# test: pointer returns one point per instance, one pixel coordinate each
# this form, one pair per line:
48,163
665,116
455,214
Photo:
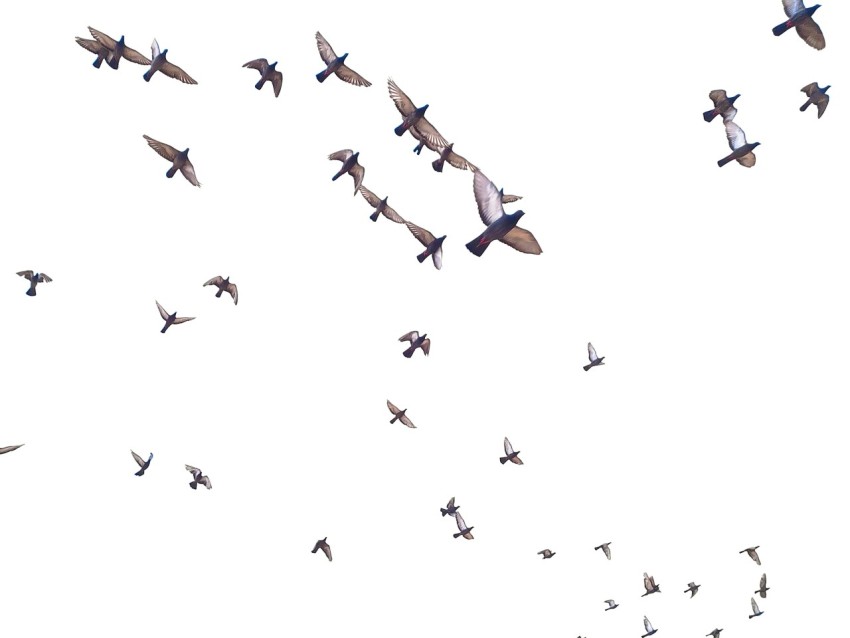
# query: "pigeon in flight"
800,17
224,285
649,584
756,610
414,117
500,226
817,96
93,46
416,341
648,626
751,552
722,105
512,456
179,160
741,150
34,278
268,73
142,463
399,415
605,547
198,478
336,64
381,206
450,509
692,587
547,553
170,318
350,166
715,633
762,590
465,531
594,360
433,245
165,67
118,50
448,155
611,605
323,545
10,448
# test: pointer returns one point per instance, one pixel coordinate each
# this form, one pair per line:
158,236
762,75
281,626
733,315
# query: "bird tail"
113,61
438,165
337,176
259,84
171,172
806,105
394,419
444,512
724,161
503,460
322,75
477,246
96,64
374,216
164,328
779,29
400,129
586,368
708,116
409,352
147,76
218,294
422,256
140,473
193,485
459,534
31,291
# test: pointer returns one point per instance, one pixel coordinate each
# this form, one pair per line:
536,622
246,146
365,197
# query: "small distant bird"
268,73
611,605
224,285
722,104
817,96
165,67
416,341
465,531
170,318
198,478
500,226
512,456
715,633
648,626
142,463
336,65
594,360
433,245
323,545
800,17
10,448
751,552
350,166
34,278
547,553
414,117
179,160
95,47
448,155
399,415
606,549
381,206
741,150
762,590
450,508
649,584
118,50
692,588
756,610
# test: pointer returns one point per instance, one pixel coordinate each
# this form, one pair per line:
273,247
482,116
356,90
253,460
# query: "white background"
717,296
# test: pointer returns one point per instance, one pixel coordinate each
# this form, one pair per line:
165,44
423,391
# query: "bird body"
594,360
142,463
170,319
510,455
399,415
323,545
336,65
606,549
268,73
416,341
817,96
198,478
722,104
500,226
34,278
224,285
350,165
161,64
741,149
800,17
433,245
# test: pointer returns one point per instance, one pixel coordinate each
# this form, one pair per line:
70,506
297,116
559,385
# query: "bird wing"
369,196
755,605
392,407
451,503
647,624
810,88
357,172
183,319
487,198
277,82
508,448
717,96
188,171
205,481
763,581
195,471
342,155
233,291
424,237
347,74
591,352
521,240
104,39
392,215
809,30
215,281
428,132
792,7
609,602
327,550
10,448
26,274
748,160
735,135
652,581
325,49
647,583
134,56
410,336
43,278
460,162
461,524
90,45
437,256
138,458
154,49
403,103
607,551
403,418
174,71
166,151
426,346
507,199
260,64
822,104
162,312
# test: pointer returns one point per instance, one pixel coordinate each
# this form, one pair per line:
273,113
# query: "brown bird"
605,549
416,341
350,166
762,590
414,117
380,206
224,285
165,67
95,47
34,278
741,150
649,585
465,531
433,245
448,155
170,319
817,96
722,105
179,160
118,50
323,545
267,74
511,456
800,17
399,415
10,448
751,552
336,65
547,553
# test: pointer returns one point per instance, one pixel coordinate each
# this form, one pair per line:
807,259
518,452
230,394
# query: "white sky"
717,296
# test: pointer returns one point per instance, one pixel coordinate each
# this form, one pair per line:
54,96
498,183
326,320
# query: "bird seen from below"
118,50
715,633
692,587
752,553
500,226
10,448
465,531
594,359
399,415
416,341
198,478
756,610
546,553
722,104
165,67
34,278
142,463
414,117
606,549
510,455
648,627
450,508
323,545
350,165
649,585
179,160
93,46
381,207
336,65
762,590
741,149
224,285
817,96
800,17
433,245
170,319
268,73
611,605
448,155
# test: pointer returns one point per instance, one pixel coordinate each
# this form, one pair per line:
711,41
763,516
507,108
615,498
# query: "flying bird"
649,584
179,160
336,65
756,610
165,67
594,360
323,545
692,587
34,278
606,549
142,463
800,17
448,155
611,605
224,285
648,626
465,531
118,50
512,456
450,508
350,166
170,318
380,206
93,46
399,415
722,105
817,96
10,448
715,633
433,245
198,478
741,149
268,73
414,117
547,553
762,590
751,552
500,226
416,341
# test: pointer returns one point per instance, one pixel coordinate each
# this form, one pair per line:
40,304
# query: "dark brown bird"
399,415
741,149
198,478
606,549
649,585
224,285
414,117
450,509
95,47
267,74
752,553
118,50
380,206
170,319
465,531
722,104
762,590
165,67
546,553
800,17
350,165
692,587
336,65
511,456
323,545
34,278
817,96
179,160
10,448
416,341
433,245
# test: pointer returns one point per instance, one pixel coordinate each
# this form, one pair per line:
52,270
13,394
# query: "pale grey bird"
648,626
546,553
142,463
715,633
762,590
198,478
10,448
323,545
500,226
465,531
752,553
224,285
611,605
380,206
594,360
93,46
165,67
649,584
510,455
416,341
817,96
692,587
433,245
606,549
118,50
414,117
350,165
268,73
34,278
756,610
399,415
179,160
336,65
450,509
741,149
170,319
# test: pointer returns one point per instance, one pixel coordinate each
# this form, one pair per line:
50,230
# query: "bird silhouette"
611,605
741,149
692,587
268,73
511,456
450,508
142,463
722,104
381,207
433,245
323,545
546,553
752,553
500,226
34,278
465,531
95,47
756,610
10,448
762,590
399,415
165,67
606,549
800,17
648,626
817,96
118,50
350,165
336,65
198,478
414,117
170,319
224,285
594,360
179,160
416,341
714,632
649,585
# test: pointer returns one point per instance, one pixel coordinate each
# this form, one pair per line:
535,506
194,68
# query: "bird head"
186,152
342,57
754,144
226,280
733,98
518,214
272,65
357,154
384,201
163,52
121,41
826,88
423,108
440,240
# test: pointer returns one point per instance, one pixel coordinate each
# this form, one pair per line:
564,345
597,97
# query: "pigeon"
380,206
170,318
800,17
817,96
649,584
465,531
433,245
118,50
756,610
34,278
512,456
323,545
450,509
692,587
500,225
399,415
10,448
414,117
714,633
547,553
741,150
722,104
605,549
648,626
164,66
448,155
751,552
268,73
762,590
611,605
336,65
224,285
142,463
95,47
416,341
198,478
350,166
179,160
594,360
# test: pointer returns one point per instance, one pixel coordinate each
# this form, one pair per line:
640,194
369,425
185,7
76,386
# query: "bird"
416,341
648,626
762,590
10,448
649,584
611,605
170,318
323,545
165,67
594,360
268,73
142,463
381,207
692,588
118,50
722,104
433,245
752,553
414,117
800,17
500,226
714,633
336,65
95,47
450,509
547,553
817,96
465,531
606,549
511,456
34,278
756,610
741,150
224,285
179,160
399,415
448,155
350,166
198,478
